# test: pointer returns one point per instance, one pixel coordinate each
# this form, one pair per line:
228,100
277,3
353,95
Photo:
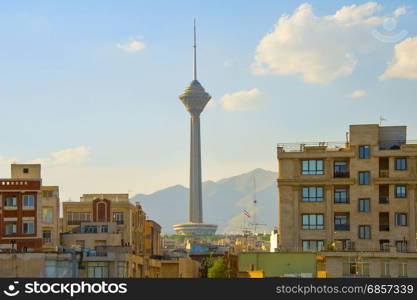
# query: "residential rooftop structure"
114,211
20,209
357,195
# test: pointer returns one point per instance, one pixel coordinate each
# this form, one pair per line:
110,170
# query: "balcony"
383,227
383,173
384,200
341,227
341,174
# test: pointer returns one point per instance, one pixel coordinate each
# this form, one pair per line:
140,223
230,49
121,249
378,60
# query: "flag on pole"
246,213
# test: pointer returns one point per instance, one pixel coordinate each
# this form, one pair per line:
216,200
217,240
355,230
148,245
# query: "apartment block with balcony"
20,209
110,209
50,217
357,195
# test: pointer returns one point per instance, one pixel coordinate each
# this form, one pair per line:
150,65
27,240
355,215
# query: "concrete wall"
278,264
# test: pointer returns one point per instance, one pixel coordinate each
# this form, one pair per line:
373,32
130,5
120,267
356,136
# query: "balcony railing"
342,227
383,199
395,144
341,174
383,173
300,147
383,227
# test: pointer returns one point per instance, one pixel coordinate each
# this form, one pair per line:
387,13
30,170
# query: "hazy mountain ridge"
223,202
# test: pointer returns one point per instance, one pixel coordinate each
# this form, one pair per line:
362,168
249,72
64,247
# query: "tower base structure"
195,229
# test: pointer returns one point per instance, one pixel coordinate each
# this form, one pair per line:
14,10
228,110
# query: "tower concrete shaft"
195,99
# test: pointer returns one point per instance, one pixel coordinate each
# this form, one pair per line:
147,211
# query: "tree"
218,269
206,264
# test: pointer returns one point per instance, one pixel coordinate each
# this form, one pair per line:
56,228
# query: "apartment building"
152,238
20,209
50,217
357,195
129,219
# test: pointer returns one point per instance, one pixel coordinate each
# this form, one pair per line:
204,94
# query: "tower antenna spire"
195,54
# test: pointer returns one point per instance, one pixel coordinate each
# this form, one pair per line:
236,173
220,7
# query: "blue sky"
103,119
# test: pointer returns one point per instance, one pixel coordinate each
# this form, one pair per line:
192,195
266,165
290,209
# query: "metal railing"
395,144
383,173
300,147
383,227
341,174
383,199
342,227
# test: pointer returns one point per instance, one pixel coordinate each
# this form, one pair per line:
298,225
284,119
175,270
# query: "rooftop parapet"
313,147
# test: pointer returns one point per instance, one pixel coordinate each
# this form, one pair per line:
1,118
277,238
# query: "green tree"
218,269
206,264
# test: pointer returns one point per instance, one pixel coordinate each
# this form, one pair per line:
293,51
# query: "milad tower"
195,99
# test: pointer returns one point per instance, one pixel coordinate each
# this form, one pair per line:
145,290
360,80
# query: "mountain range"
223,203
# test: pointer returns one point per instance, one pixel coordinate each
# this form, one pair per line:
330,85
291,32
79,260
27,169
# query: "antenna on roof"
381,119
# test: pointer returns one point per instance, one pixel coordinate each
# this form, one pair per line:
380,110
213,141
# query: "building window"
10,201
364,152
400,164
403,269
401,246
47,215
312,194
10,228
385,269
47,236
122,269
98,270
401,219
118,218
365,232
25,170
28,201
313,245
313,222
28,227
384,245
355,268
105,228
364,177
75,218
401,191
312,167
48,194
340,169
90,229
364,205
341,222
341,195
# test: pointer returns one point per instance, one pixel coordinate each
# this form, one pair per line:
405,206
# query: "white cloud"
404,64
400,11
319,48
132,46
357,94
70,156
244,100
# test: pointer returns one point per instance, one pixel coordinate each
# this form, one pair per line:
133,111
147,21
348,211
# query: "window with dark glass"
313,221
312,194
28,201
364,231
364,152
400,191
341,222
401,246
400,164
312,167
10,201
118,218
384,245
341,195
364,205
364,177
313,245
401,219
340,169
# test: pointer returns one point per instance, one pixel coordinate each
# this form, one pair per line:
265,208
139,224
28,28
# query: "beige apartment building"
354,196
50,217
152,238
128,219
